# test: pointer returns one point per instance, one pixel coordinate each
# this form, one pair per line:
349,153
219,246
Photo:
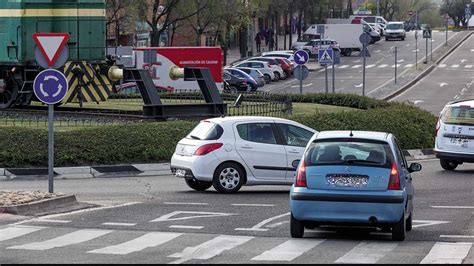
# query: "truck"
375,30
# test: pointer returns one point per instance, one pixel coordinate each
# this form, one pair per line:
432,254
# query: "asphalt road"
160,220
380,67
453,79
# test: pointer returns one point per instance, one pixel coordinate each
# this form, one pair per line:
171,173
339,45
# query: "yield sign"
51,44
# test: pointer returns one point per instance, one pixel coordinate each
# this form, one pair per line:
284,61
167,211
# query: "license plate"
180,173
461,142
356,181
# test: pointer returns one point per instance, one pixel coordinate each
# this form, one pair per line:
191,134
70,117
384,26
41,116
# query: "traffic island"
38,203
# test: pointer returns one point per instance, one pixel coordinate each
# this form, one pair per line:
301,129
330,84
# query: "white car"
285,54
454,143
274,64
264,67
228,152
395,30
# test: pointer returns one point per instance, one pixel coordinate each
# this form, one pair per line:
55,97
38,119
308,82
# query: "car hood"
395,31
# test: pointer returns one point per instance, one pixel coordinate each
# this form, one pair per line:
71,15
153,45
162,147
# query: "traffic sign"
301,57
50,86
60,61
301,72
365,38
320,30
427,34
468,12
325,56
51,45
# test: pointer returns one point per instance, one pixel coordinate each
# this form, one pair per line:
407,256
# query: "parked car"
234,84
229,152
454,143
395,30
353,178
285,64
285,54
264,67
241,74
255,74
274,64
313,46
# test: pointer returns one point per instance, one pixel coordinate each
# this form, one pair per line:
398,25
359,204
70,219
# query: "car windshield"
369,19
459,115
349,152
395,26
206,131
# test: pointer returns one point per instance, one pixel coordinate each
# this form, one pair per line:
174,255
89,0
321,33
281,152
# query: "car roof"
233,119
372,135
253,61
395,22
462,102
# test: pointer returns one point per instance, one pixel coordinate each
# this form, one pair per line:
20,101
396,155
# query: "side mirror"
295,163
414,167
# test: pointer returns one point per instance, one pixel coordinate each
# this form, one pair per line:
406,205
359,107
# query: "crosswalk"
176,248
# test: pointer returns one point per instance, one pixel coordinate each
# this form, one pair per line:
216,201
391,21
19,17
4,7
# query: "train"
88,66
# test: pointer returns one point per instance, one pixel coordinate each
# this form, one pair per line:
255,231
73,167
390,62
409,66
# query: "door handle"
294,152
247,147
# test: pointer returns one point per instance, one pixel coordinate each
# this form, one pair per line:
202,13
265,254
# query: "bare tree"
116,14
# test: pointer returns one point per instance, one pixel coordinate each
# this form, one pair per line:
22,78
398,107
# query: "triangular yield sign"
51,45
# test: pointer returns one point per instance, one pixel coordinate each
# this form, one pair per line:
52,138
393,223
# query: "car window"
458,115
349,152
257,132
295,136
400,155
257,65
246,70
206,131
238,74
227,76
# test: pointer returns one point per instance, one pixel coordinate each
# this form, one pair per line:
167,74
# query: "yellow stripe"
52,12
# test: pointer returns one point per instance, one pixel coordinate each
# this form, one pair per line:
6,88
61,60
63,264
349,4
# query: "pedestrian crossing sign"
325,56
427,34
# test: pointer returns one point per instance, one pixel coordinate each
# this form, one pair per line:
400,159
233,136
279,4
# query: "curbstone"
41,206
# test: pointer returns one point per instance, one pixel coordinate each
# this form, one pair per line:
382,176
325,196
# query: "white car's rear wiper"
194,137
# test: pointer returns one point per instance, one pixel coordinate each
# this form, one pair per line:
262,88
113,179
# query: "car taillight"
301,175
205,149
394,182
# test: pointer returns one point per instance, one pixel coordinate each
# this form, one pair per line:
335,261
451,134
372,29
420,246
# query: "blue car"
353,178
241,74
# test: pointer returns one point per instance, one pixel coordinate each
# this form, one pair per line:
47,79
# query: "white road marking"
454,66
322,70
456,97
421,223
343,66
210,248
398,65
277,224
443,84
417,102
17,231
472,50
464,60
120,224
186,227
442,65
468,66
358,86
253,205
258,227
304,86
409,65
383,66
455,236
452,207
356,61
288,250
146,241
185,203
356,66
401,61
75,237
445,253
167,217
378,51
370,66
418,50
367,252
52,221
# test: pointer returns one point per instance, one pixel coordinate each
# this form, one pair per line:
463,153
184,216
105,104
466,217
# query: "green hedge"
156,142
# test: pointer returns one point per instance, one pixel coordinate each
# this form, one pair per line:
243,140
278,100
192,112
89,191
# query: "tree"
455,10
116,15
204,19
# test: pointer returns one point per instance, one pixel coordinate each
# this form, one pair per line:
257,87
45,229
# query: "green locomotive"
87,67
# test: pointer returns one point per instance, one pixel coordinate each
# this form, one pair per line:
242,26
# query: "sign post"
50,86
301,58
365,39
446,17
468,14
326,57
416,50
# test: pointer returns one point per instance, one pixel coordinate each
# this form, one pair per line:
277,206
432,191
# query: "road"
160,220
380,67
453,79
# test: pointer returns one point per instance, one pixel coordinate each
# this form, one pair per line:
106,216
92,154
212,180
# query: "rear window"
349,152
206,131
458,115
369,19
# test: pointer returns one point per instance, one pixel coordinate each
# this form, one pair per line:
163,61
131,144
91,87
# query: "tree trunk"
300,22
277,29
286,26
290,41
155,37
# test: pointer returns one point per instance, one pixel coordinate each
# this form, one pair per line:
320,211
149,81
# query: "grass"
311,108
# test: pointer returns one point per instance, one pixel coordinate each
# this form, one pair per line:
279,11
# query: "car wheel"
296,228
233,89
409,223
228,178
403,38
399,229
386,39
277,76
448,165
198,185
267,78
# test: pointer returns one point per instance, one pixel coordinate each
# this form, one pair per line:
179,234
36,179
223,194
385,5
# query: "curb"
426,71
42,206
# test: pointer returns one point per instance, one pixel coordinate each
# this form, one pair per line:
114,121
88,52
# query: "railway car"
87,67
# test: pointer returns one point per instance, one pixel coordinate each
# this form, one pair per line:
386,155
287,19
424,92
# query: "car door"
406,174
294,139
257,145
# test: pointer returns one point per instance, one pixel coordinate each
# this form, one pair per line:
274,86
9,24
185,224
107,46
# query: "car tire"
386,39
399,229
228,178
296,228
409,223
403,38
277,76
233,89
448,165
267,78
198,185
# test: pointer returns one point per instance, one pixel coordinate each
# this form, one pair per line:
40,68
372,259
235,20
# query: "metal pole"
446,32
363,72
50,147
326,71
426,56
396,61
431,48
416,50
333,77
301,79
378,7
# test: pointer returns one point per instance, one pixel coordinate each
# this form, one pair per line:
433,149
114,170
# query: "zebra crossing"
176,247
